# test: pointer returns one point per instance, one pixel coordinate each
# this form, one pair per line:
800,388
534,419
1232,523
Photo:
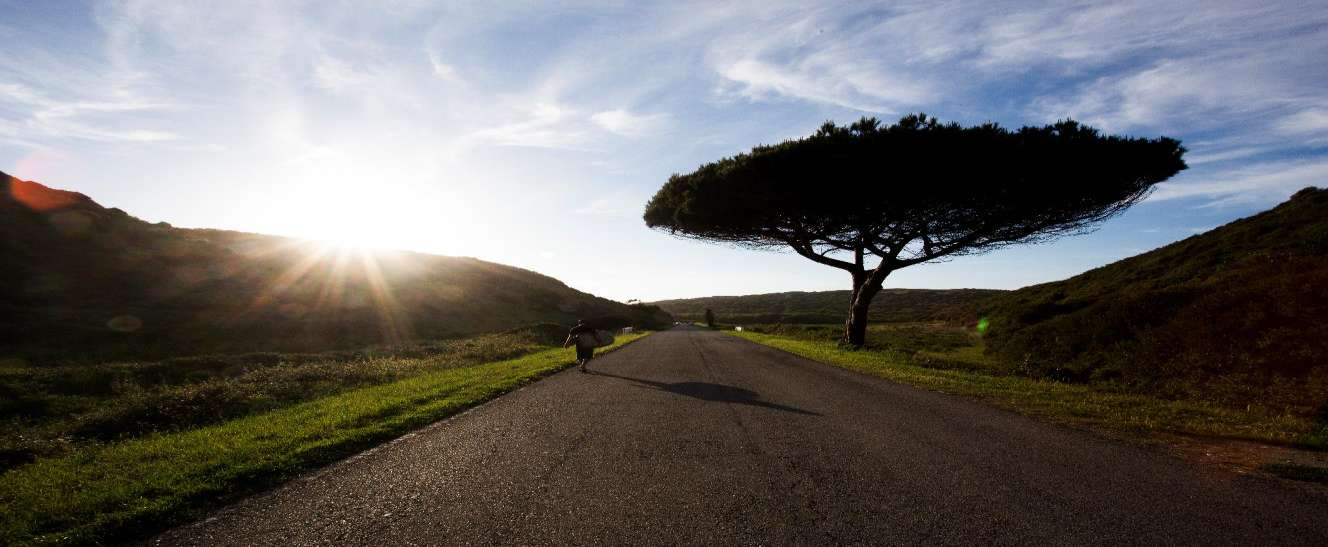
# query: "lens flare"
40,198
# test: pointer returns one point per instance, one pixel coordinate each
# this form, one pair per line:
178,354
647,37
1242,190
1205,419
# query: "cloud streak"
1261,182
630,124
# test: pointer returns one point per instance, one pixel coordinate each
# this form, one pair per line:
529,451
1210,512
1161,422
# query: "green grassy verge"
1074,403
120,490
48,411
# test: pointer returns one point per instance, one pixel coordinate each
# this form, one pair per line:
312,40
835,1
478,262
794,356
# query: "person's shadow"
709,392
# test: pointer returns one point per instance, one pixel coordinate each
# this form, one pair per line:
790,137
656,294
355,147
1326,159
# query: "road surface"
691,436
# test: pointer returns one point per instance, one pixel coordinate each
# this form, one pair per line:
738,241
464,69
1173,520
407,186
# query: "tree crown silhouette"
915,191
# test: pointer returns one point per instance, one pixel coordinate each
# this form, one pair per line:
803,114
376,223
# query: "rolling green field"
1234,313
950,359
95,491
891,305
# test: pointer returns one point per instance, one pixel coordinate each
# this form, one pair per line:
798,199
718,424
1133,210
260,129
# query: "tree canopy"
914,191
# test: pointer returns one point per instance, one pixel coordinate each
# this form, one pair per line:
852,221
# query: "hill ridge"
1244,300
38,196
86,282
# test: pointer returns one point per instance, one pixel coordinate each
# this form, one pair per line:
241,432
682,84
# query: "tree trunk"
855,328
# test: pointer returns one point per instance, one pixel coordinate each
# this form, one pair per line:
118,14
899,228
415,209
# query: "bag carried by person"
597,339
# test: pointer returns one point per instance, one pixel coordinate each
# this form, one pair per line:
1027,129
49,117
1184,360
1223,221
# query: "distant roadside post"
912,192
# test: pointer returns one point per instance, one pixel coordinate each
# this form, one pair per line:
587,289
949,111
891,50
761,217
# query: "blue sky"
532,133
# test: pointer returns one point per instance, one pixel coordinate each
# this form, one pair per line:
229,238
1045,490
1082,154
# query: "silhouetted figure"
584,337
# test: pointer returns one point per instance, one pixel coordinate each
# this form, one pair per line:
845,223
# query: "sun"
356,201
364,235
355,220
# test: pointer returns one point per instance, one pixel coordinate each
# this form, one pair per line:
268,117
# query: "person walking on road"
584,337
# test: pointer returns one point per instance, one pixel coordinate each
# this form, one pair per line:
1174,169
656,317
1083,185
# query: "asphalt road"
690,436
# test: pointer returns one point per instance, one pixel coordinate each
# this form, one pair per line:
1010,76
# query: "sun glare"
350,236
353,216
346,272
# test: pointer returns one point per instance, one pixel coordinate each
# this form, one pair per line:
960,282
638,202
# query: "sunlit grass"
1075,403
48,411
120,490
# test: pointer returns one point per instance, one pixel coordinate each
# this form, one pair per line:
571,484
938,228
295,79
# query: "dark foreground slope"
84,282
1230,313
831,306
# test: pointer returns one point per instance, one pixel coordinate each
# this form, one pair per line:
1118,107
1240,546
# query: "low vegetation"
144,478
52,410
947,359
828,307
1234,315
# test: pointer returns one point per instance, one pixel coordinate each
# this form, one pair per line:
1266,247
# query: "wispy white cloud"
836,82
541,125
48,118
1200,93
620,203
440,68
823,55
1135,66
1262,182
335,74
54,100
630,124
1310,124
1243,70
1217,154
1081,36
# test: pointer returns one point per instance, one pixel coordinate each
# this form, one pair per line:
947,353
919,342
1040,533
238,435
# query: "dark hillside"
83,282
1231,310
891,305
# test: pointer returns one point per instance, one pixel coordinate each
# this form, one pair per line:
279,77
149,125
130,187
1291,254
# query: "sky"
533,133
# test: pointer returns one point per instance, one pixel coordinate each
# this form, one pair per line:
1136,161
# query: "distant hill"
1243,304
890,305
84,282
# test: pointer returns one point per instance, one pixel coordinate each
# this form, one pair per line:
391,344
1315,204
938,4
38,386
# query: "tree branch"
806,251
878,251
931,252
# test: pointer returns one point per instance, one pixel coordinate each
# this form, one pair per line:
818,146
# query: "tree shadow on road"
710,392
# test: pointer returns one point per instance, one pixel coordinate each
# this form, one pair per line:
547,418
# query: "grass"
963,371
1298,472
1234,314
121,490
47,411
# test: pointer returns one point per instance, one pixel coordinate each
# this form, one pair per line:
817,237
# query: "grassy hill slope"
891,305
1229,312
83,282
